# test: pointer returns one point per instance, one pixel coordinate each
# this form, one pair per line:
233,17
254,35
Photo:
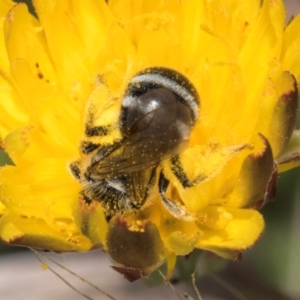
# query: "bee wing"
129,157
135,154
139,185
150,138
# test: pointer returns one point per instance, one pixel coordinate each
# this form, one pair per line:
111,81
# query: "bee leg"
88,147
85,197
91,131
179,172
75,170
178,211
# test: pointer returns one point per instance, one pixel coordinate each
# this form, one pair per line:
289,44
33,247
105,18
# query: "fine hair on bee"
159,109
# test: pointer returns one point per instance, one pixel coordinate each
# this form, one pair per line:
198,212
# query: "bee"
159,109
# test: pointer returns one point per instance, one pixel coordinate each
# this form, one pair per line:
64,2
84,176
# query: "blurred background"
270,270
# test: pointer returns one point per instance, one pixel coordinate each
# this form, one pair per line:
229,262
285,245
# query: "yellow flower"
79,56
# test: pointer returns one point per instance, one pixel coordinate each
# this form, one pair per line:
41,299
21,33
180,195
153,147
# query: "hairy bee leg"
88,147
179,172
91,131
85,197
177,211
75,170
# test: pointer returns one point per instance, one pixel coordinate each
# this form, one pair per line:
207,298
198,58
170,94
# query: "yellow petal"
171,263
206,164
13,112
231,240
135,18
5,6
290,158
278,109
284,116
180,237
16,143
23,192
31,67
254,178
91,220
74,39
57,130
3,209
21,231
291,47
